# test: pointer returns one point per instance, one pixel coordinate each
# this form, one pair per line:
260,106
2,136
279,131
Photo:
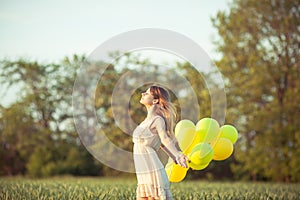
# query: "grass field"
122,188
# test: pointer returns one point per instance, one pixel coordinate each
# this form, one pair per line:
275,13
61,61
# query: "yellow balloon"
183,124
208,129
201,156
175,172
229,132
195,141
222,149
185,138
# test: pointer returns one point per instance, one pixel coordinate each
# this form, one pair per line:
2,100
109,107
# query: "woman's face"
147,98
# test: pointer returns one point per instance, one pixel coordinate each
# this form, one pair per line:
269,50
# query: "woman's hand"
182,160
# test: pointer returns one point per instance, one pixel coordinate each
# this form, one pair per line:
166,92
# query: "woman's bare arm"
170,144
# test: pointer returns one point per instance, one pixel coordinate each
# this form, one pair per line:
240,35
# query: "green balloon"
229,132
200,156
208,129
198,167
182,125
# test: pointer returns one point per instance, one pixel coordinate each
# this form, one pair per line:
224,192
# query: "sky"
49,30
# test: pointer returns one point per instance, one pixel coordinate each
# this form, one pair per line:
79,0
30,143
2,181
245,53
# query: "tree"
65,158
41,120
16,129
259,43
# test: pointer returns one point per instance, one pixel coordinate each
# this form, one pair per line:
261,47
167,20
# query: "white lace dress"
151,175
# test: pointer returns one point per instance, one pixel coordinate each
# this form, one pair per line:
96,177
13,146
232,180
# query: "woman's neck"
151,111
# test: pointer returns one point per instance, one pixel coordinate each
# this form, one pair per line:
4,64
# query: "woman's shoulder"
158,117
158,120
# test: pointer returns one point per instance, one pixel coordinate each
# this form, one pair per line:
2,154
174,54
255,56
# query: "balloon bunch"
201,143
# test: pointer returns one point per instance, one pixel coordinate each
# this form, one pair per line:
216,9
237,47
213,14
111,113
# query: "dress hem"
157,192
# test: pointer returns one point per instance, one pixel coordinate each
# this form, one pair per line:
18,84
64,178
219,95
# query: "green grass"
122,188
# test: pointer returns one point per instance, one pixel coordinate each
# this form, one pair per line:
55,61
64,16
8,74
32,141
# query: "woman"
155,132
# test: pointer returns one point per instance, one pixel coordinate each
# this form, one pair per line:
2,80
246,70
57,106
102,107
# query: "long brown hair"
165,108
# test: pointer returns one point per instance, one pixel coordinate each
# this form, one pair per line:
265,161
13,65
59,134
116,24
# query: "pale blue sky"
49,30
